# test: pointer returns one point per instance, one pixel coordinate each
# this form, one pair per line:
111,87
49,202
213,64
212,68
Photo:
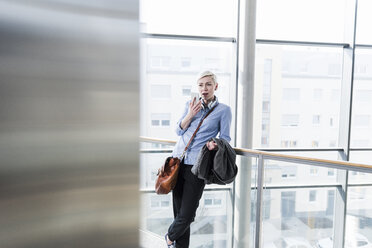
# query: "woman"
189,188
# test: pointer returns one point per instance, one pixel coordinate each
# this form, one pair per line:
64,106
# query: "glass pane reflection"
212,227
297,96
297,216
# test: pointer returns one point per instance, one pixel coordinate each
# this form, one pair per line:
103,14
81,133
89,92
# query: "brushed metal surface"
69,82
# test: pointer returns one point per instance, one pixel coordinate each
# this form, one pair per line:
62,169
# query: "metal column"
245,92
345,121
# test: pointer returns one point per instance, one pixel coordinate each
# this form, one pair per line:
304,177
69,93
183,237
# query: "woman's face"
206,87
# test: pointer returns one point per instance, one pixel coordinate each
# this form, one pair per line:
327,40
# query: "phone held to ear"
194,95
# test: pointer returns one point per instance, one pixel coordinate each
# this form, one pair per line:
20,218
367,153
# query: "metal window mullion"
345,122
301,43
188,37
260,182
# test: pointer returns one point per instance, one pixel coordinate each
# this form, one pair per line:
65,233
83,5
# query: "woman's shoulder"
224,107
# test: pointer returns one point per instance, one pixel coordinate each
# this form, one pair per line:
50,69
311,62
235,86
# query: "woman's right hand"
194,107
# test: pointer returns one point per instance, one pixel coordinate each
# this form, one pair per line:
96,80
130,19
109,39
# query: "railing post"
260,183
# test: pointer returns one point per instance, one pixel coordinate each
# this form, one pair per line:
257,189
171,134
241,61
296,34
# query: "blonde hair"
207,74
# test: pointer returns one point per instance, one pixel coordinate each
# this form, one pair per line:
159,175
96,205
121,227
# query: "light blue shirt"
218,121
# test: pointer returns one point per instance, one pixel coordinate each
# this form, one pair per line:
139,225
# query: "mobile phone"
196,95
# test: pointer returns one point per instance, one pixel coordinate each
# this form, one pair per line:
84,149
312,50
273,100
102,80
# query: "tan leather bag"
167,174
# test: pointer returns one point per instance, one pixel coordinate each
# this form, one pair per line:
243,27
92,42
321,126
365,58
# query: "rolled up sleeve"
179,130
226,124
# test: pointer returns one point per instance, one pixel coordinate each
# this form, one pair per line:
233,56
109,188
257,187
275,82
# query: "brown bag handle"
197,129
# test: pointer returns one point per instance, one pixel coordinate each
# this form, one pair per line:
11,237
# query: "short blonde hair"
207,74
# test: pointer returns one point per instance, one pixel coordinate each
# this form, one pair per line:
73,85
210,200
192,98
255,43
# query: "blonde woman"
189,188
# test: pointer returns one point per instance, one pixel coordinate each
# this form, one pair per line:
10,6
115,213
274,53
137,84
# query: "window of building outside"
264,140
264,127
186,90
290,120
315,143
331,172
314,171
160,119
316,119
289,171
158,202
288,143
312,195
185,62
331,121
265,106
212,200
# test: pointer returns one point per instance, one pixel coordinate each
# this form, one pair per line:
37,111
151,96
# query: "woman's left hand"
211,145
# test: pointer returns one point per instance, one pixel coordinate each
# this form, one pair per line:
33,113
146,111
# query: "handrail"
284,157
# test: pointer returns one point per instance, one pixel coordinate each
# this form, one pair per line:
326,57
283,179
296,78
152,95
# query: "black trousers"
186,195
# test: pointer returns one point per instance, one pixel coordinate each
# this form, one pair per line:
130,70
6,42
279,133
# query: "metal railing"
261,156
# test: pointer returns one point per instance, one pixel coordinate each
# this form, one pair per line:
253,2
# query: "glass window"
189,17
364,20
299,217
181,82
305,20
294,97
361,127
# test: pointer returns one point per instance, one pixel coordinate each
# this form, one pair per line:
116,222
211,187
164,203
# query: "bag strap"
196,130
